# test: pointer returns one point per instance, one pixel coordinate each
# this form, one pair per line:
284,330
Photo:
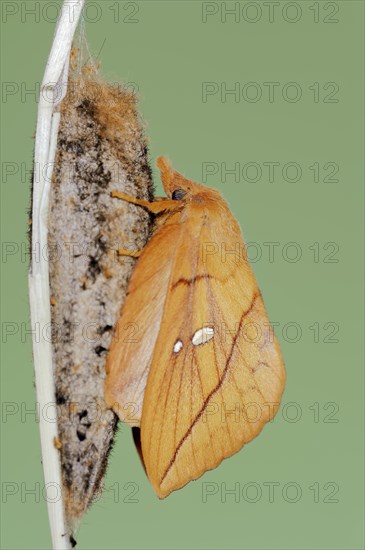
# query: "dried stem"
53,89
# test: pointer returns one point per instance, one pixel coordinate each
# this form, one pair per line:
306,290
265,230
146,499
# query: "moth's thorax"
209,201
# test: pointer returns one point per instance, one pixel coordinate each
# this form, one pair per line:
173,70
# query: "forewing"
204,402
136,331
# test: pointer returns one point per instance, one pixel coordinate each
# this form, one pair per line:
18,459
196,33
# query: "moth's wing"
204,402
136,331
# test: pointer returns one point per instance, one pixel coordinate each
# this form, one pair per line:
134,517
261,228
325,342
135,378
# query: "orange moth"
193,359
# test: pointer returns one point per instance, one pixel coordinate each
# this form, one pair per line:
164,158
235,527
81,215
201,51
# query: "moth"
201,370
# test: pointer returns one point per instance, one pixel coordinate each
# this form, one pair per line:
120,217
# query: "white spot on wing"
202,336
178,346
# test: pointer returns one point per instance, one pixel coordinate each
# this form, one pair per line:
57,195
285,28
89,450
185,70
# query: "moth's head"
179,188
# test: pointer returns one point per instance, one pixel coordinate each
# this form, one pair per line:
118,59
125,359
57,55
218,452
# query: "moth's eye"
178,194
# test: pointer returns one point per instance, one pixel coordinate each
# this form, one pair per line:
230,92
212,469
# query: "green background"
169,51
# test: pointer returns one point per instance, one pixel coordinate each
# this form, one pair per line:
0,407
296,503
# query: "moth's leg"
130,199
155,207
131,253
